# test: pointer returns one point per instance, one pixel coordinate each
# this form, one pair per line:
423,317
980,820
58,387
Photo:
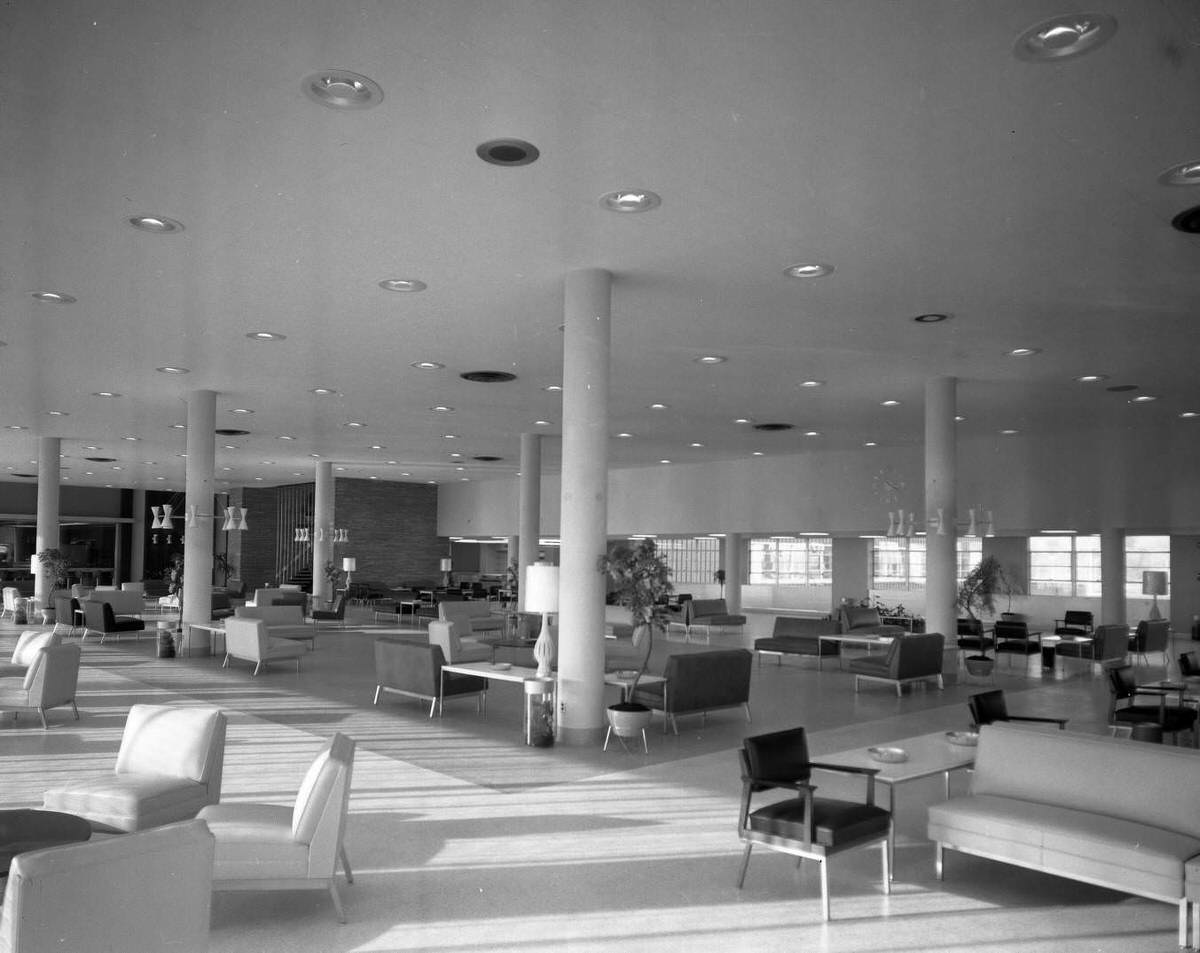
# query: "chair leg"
433,704
75,709
745,863
378,689
607,736
346,864
887,864
257,668
45,725
823,863
746,705
337,902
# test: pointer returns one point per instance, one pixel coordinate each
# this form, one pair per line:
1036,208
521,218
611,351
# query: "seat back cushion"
409,666
700,680
445,635
859,617
163,739
30,642
272,614
918,655
778,755
324,790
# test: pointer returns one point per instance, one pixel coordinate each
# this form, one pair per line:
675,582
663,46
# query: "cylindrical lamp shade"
349,564
447,564
1154,583
541,587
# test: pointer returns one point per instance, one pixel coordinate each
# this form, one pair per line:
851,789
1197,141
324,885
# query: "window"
900,563
1065,566
791,560
1146,554
691,560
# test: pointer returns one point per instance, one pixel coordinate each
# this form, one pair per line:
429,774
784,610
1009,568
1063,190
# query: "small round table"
25,829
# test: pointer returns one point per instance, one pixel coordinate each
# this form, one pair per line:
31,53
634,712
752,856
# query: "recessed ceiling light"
284,436
1092,378
507,152
402,284
711,359
341,89
1009,433
241,410
630,200
695,443
266,336
812,433
889,403
53,297
105,393
658,406
156,224
323,391
455,455
541,423
934,317
812,383
57,413
664,461
742,420
315,456
16,427
553,388
757,453
172,369
808,269
354,423
179,426
870,443
624,435
1142,399
1024,351
376,446
959,418
228,446
442,409
427,365
131,438
449,436
160,478
1059,37
1186,173
460,469
1188,414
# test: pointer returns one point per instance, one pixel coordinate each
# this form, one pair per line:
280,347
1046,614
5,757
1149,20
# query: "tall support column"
323,521
529,524
137,537
198,540
1112,576
47,532
733,572
941,489
584,525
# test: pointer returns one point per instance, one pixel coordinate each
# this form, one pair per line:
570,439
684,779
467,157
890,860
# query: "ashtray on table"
626,673
502,666
888,755
968,739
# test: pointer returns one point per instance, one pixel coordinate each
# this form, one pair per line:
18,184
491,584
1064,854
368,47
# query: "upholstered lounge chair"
336,614
808,827
413,669
990,707
865,620
1108,643
146,891
250,640
50,681
26,649
168,767
1126,709
297,847
910,658
68,613
99,618
455,649
1152,635
697,683
701,616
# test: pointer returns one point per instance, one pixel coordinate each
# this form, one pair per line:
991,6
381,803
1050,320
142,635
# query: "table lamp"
447,564
541,595
349,564
1154,583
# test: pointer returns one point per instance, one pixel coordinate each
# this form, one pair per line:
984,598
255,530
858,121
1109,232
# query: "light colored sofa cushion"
249,640
471,617
26,650
123,602
456,649
145,891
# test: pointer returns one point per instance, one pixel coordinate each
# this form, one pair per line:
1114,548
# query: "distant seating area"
865,620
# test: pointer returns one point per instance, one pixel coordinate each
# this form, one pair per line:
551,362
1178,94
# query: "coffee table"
870,641
503,672
25,829
928,755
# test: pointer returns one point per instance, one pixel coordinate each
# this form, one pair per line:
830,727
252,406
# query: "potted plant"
639,579
719,579
333,576
54,565
977,594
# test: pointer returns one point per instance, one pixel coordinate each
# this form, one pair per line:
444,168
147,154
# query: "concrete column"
733,572
47,532
530,511
324,518
137,538
584,527
1112,577
941,488
199,491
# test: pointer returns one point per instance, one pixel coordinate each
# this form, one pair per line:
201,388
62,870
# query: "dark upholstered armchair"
989,707
1108,643
708,614
910,658
1014,638
1074,622
699,682
1126,709
1152,635
805,826
865,620
99,617
415,669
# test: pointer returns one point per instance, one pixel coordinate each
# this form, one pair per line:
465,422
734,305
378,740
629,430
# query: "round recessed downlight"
341,89
266,336
156,224
810,269
889,403
172,369
57,413
934,317
427,365
773,427
105,393
1142,399
1189,414
1186,173
1188,221
402,285
1072,34
1024,351
488,377
442,409
507,152
630,200
53,297
711,359
1092,378
323,391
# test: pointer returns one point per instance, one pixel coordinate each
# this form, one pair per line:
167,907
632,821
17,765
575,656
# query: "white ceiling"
900,141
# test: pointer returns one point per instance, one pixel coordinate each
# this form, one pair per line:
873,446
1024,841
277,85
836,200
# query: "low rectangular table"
868,640
928,755
501,672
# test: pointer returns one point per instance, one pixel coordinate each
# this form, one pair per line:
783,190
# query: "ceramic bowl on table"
888,755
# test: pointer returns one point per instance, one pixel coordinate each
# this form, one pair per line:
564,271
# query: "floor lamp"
447,565
1154,583
349,564
541,595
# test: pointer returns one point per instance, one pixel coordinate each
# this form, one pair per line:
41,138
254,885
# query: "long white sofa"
1109,811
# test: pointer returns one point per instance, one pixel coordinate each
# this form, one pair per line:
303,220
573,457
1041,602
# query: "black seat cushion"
837,823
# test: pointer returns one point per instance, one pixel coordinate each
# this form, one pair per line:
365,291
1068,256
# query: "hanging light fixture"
234,518
321,534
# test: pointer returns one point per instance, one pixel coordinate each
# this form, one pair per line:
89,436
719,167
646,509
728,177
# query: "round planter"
628,719
979,665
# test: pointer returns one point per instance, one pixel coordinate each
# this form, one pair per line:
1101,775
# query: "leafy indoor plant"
977,594
639,579
54,564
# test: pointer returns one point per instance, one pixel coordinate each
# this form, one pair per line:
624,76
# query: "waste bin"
539,712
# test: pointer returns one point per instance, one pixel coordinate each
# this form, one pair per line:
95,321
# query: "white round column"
941,488
529,522
198,540
324,502
584,521
47,532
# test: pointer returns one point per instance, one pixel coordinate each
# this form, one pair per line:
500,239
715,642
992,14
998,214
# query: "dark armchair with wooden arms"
989,707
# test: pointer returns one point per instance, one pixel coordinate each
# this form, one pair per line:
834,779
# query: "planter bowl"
628,719
979,665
